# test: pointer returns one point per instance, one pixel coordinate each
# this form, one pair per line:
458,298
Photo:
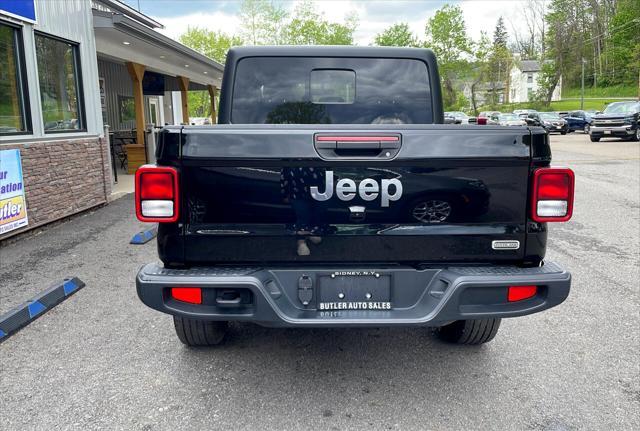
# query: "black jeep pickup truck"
331,195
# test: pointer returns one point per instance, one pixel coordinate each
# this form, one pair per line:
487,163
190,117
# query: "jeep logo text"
368,190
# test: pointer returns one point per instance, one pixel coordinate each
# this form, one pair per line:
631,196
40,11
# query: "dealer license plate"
354,290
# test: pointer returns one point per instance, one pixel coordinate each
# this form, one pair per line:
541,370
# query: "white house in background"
524,81
484,92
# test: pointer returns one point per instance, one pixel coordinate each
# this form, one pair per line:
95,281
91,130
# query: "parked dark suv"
619,119
551,122
579,120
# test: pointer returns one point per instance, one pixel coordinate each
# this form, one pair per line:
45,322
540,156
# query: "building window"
59,74
530,78
14,107
530,94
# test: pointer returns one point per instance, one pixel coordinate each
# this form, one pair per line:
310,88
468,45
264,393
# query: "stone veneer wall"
62,177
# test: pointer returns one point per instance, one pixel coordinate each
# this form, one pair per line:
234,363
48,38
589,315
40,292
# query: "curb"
144,236
29,311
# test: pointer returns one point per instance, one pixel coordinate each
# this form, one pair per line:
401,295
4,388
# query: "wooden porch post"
183,83
212,94
136,71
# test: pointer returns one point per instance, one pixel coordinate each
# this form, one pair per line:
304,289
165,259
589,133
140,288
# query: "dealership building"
74,75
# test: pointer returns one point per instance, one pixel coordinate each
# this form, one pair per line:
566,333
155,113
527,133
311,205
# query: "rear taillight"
552,194
519,293
157,194
192,295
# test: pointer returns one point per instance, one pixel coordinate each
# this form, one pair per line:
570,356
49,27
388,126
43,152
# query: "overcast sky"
375,16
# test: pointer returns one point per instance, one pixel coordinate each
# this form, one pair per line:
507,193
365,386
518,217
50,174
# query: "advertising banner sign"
13,206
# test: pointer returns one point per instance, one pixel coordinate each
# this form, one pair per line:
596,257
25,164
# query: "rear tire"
469,332
199,333
594,139
586,129
636,136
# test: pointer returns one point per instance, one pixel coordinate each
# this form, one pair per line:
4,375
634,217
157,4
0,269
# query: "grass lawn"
562,105
571,105
613,91
595,99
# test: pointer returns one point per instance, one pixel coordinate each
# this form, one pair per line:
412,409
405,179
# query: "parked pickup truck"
331,195
619,120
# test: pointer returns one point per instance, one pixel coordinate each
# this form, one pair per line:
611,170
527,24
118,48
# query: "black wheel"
469,332
594,138
197,333
586,129
636,136
563,133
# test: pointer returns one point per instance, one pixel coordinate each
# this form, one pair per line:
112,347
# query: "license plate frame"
354,286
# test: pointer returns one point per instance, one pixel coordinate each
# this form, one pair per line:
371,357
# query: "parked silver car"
461,117
524,111
511,120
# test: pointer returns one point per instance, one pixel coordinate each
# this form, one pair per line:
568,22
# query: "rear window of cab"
327,90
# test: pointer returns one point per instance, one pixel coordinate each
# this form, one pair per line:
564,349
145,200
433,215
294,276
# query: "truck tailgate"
392,193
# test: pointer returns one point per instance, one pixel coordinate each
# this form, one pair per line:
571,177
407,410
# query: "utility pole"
582,89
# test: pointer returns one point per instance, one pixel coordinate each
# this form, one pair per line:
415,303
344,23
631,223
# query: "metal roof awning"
122,39
125,9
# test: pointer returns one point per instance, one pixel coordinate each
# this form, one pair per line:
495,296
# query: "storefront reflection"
309,224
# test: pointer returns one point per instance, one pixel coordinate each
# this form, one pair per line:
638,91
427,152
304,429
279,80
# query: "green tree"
602,32
500,36
562,47
265,22
480,67
199,104
215,45
262,22
625,42
310,27
547,81
500,62
397,35
446,35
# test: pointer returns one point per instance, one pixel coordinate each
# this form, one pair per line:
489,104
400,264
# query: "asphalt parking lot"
102,360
